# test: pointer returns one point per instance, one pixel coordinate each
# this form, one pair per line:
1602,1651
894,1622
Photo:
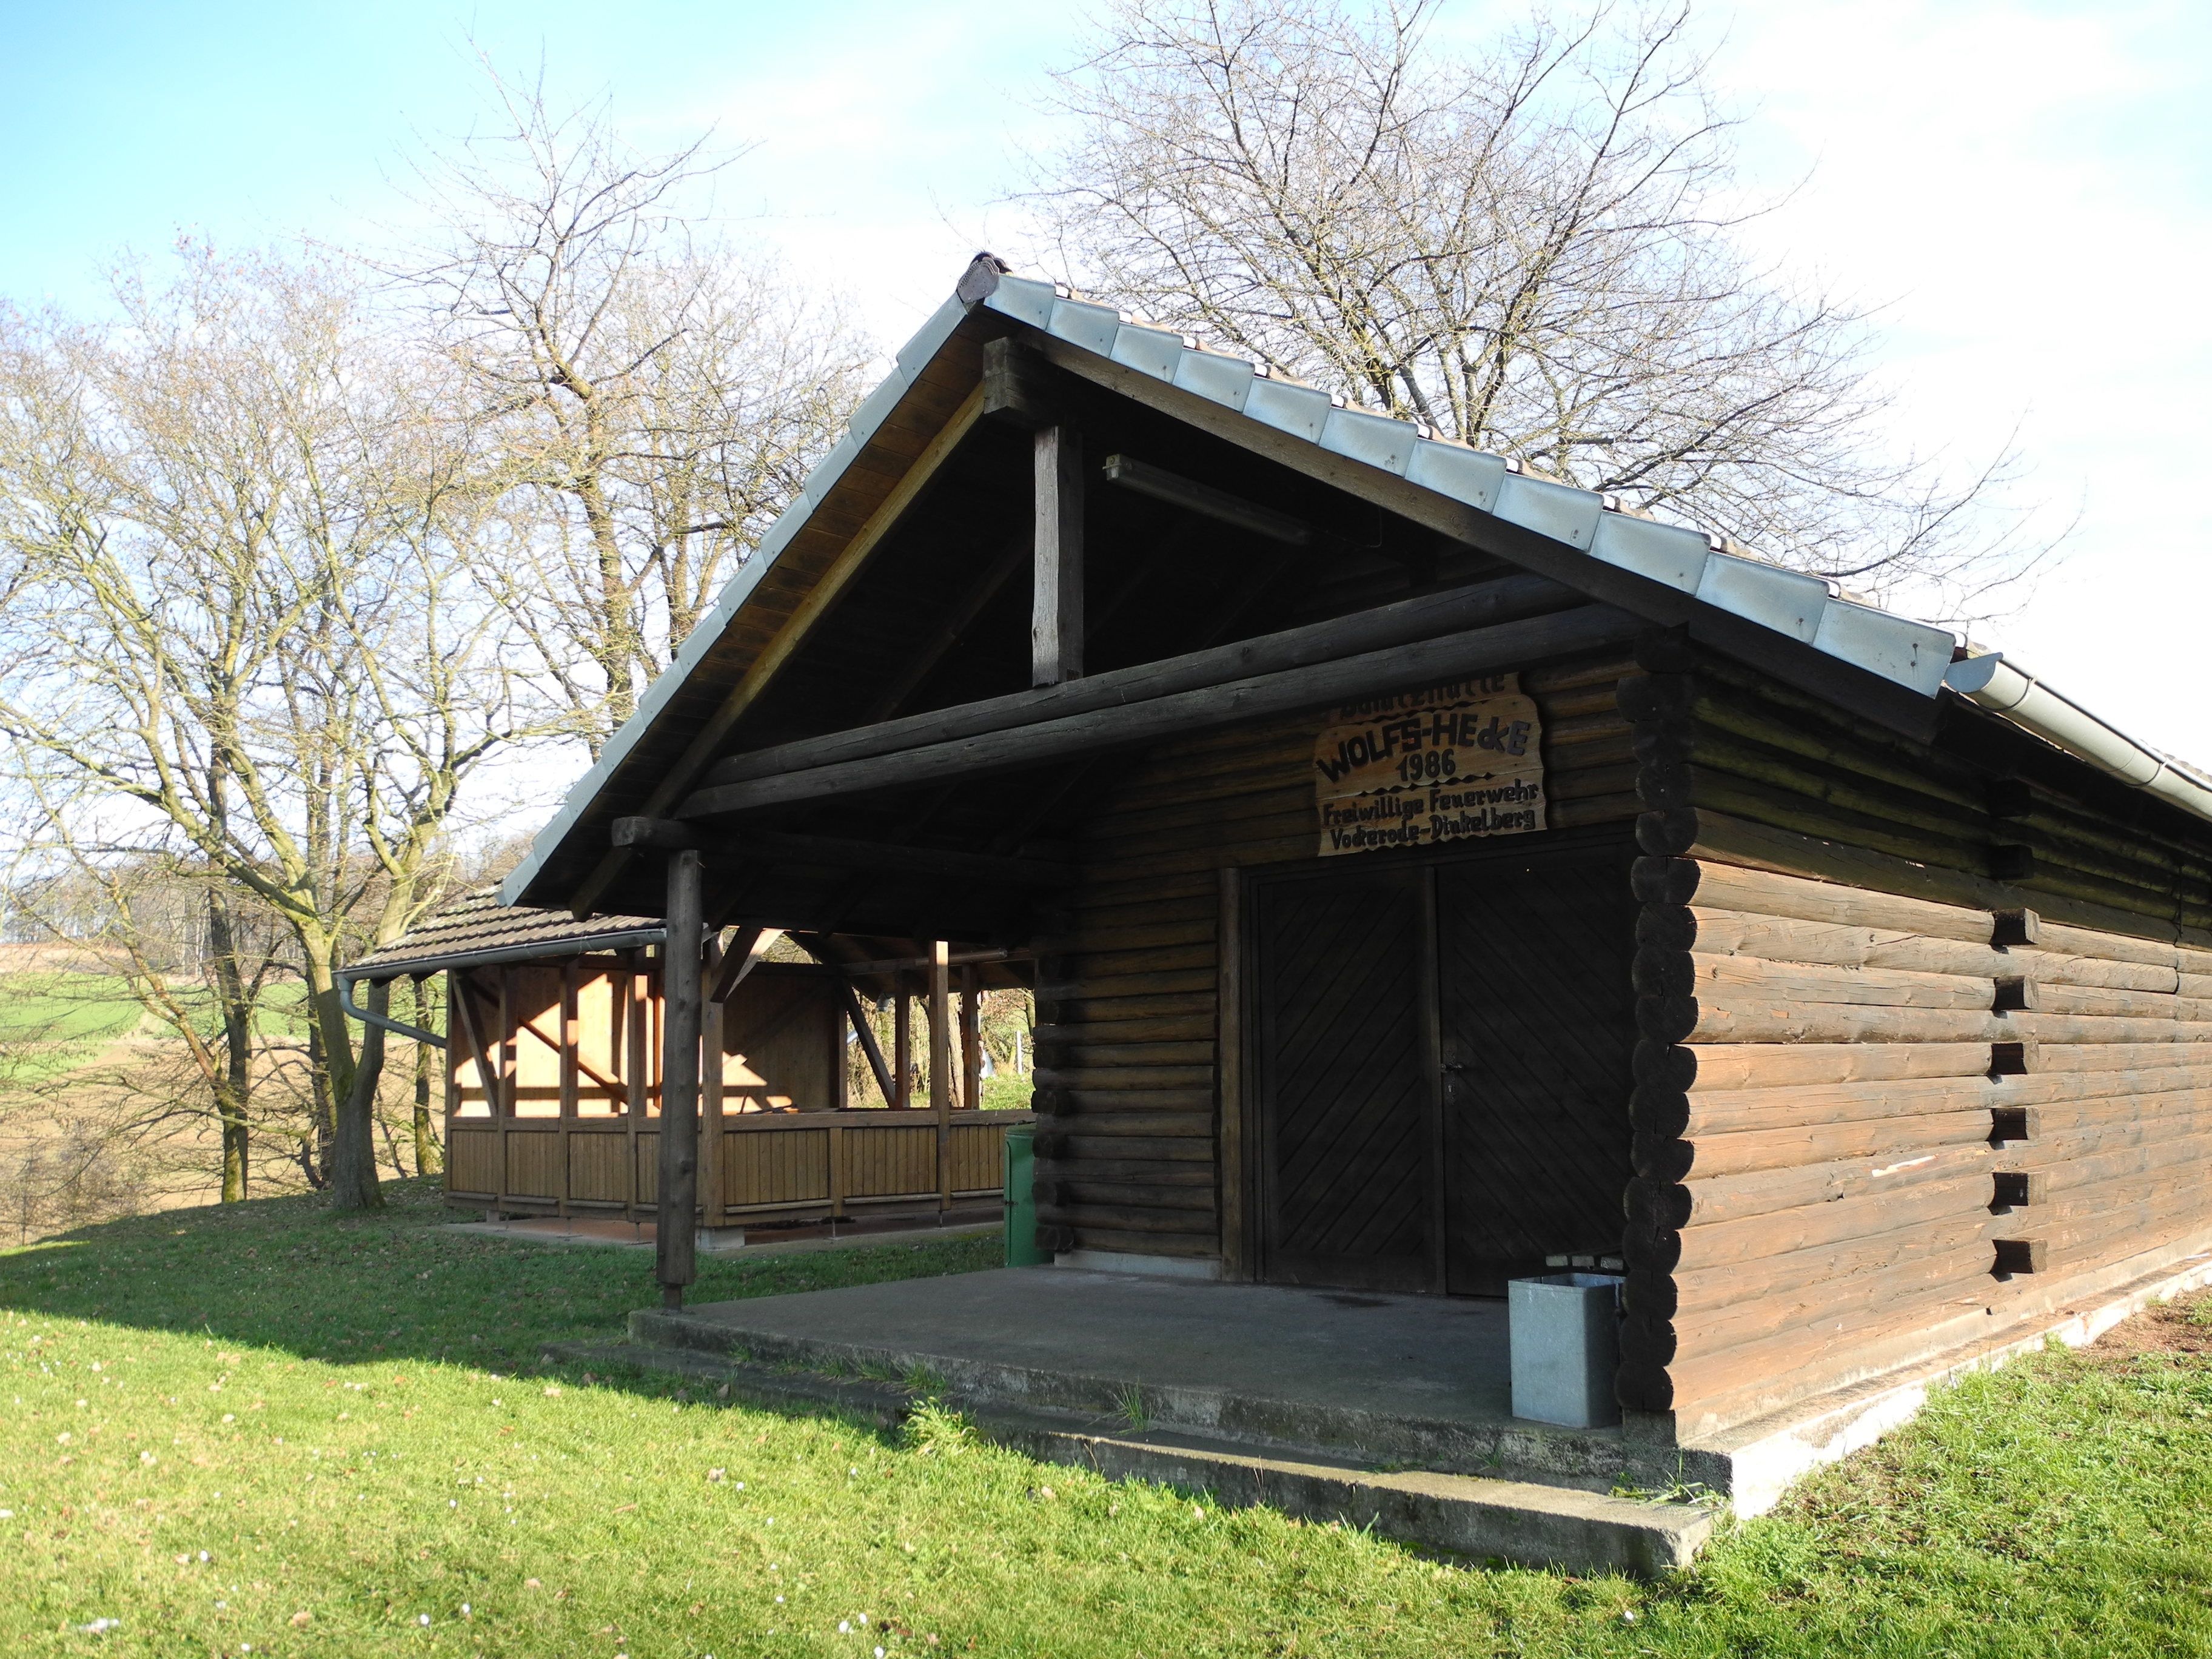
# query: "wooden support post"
634,1050
571,1041
710,1099
902,1044
971,1038
1237,1252
676,1235
502,1082
1056,611
940,1063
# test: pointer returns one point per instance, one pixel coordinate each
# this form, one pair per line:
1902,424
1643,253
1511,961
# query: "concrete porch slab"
1405,1381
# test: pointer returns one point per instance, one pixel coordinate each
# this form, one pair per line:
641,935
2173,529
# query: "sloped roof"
1368,452
477,926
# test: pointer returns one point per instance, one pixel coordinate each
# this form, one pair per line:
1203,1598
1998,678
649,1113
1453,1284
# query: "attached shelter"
1434,874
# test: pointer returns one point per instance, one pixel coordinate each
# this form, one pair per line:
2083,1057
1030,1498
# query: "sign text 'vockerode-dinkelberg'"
1452,762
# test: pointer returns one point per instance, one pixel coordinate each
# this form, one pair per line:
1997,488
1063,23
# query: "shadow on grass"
287,1274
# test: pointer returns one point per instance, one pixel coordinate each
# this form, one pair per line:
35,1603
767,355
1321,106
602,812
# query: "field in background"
264,1426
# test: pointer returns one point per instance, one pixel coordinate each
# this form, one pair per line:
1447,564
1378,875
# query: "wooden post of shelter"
710,1091
902,1044
676,1238
971,1037
940,1063
571,1041
635,1049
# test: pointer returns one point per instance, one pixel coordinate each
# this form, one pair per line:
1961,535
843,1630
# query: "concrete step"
1522,1522
1596,1460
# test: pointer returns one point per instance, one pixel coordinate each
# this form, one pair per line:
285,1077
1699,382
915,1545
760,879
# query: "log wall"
1131,1047
1901,1084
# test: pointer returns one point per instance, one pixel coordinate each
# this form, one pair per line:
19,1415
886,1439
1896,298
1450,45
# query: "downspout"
1996,685
346,978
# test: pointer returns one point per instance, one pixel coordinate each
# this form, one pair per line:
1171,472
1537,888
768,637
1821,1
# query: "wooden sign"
1447,764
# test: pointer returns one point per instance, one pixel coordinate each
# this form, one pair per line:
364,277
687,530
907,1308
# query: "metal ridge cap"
1877,642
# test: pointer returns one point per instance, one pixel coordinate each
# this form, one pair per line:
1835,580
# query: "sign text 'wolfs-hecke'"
1447,764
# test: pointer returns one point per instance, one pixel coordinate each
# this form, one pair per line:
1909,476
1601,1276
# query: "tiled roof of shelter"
477,924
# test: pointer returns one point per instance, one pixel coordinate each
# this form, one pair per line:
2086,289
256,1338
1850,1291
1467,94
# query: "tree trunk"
233,1088
353,1149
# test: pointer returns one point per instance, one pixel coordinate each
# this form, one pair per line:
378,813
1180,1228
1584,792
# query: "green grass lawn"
266,1426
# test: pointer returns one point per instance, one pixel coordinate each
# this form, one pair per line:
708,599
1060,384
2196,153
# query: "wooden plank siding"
1871,1073
1130,1028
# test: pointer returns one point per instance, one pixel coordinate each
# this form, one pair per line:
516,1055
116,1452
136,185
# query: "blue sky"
2028,187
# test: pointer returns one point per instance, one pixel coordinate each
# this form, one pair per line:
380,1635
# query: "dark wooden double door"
1442,1054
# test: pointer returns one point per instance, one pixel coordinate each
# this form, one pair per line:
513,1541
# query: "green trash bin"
1020,1195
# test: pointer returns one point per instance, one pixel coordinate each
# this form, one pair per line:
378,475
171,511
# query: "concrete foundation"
1389,1411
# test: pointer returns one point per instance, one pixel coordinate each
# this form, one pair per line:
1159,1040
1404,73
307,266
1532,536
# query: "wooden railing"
782,1164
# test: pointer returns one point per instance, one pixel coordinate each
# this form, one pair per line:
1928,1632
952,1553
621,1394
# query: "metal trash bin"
1564,1334
1020,1199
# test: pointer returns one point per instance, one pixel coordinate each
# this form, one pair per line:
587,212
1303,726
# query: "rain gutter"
1999,686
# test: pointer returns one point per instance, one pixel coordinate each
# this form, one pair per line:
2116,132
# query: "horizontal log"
2115,1209
1764,1192
1118,1103
1035,728
2122,1056
1722,1066
1403,623
1179,1028
1152,933
1073,1006
2066,1135
1094,1192
1721,886
1726,1383
1797,1146
1786,1307
1085,1146
1787,940
1719,1246
2115,1003
1598,809
1156,962
1700,1113
1729,978
1090,1237
1060,1052
1126,1077
1129,1218
1140,995
1718,837
1126,1169
1746,1017
2165,1158
1596,675
1790,939
1803,1271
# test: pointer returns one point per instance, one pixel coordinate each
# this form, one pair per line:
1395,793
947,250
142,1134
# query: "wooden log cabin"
1436,874
554,1036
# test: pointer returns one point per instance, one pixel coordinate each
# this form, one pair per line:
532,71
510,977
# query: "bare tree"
1532,249
237,535
659,395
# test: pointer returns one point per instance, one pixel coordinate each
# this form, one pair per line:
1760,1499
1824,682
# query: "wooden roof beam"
1050,734
1403,623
